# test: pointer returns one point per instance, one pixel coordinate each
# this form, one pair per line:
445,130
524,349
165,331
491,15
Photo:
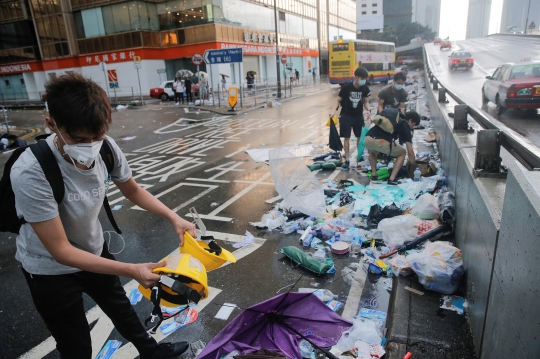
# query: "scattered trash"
248,240
225,311
135,296
439,267
400,266
129,138
408,355
334,305
109,349
454,303
187,316
117,207
372,314
214,204
415,291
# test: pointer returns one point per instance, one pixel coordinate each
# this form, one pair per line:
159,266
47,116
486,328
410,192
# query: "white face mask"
84,153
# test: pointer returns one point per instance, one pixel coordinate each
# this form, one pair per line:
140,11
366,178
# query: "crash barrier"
264,91
497,224
34,98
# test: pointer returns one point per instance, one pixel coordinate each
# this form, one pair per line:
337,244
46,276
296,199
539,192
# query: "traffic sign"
233,96
283,59
136,59
197,59
138,65
223,56
289,64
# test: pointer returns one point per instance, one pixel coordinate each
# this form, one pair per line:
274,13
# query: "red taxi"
515,86
446,44
460,60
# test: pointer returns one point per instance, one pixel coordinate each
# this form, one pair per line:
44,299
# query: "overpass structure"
498,211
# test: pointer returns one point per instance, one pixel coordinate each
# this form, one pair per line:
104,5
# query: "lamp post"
277,51
527,21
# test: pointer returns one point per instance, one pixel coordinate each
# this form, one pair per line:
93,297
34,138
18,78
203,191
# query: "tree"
405,33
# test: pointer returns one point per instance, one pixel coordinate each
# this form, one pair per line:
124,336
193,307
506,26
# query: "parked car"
403,68
515,86
514,29
437,40
165,91
460,60
446,44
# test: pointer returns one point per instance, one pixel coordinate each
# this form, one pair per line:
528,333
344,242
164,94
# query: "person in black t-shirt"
353,98
379,141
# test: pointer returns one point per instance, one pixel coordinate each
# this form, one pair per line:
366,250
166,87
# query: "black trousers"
179,97
59,301
189,95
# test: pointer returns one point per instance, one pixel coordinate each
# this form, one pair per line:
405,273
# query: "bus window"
340,47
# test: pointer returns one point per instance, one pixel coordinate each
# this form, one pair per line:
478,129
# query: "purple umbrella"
279,324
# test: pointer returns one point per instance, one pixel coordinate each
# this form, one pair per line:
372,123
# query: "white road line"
272,200
334,174
246,181
211,187
102,329
355,293
481,68
236,152
207,180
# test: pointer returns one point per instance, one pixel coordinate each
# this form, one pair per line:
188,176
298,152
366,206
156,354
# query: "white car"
164,92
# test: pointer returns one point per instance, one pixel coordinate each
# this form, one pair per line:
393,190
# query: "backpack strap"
47,161
107,155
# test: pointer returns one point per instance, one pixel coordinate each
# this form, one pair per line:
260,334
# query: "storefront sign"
112,76
259,38
119,56
293,41
266,50
225,56
12,69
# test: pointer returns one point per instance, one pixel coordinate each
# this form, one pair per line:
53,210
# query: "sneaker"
393,183
374,179
169,350
345,166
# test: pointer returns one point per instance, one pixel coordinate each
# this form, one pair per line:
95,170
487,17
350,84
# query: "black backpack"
10,222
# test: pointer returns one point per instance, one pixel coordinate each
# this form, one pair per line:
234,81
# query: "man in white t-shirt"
61,247
179,91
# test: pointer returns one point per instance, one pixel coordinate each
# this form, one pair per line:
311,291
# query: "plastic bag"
361,144
312,264
427,207
334,118
400,266
447,207
363,329
398,230
439,267
378,213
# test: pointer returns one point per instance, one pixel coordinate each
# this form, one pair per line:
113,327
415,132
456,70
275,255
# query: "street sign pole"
104,68
212,87
140,89
241,85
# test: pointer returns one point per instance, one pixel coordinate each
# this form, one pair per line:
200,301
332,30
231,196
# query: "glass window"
363,12
364,5
374,5
108,20
374,12
121,17
135,23
93,22
79,26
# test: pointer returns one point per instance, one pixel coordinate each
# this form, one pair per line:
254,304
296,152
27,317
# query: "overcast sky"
454,18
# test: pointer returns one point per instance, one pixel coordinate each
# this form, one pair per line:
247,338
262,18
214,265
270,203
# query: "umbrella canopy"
252,72
225,75
274,325
334,141
203,73
296,184
184,73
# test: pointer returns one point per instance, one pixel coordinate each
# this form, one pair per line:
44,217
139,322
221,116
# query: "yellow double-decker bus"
375,56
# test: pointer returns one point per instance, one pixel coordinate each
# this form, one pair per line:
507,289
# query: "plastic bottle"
417,174
307,240
289,227
276,222
440,172
305,349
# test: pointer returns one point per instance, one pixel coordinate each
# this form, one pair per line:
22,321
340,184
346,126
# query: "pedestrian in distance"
379,140
188,89
61,247
203,87
393,95
223,84
250,79
297,74
179,91
354,100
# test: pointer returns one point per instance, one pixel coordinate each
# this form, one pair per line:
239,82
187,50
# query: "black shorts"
346,122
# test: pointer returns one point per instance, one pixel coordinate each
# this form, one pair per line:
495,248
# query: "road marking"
272,200
32,132
235,152
102,329
350,309
481,68
209,188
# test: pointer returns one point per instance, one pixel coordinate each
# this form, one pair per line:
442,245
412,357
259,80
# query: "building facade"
369,18
514,13
397,12
42,39
478,18
427,13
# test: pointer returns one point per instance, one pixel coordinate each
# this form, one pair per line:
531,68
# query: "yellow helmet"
211,255
183,280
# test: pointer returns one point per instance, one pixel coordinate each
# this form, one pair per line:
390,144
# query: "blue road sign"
223,56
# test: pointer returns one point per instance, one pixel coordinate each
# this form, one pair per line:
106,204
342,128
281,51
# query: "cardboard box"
426,169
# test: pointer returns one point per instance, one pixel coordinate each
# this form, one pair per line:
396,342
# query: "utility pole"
277,51
527,21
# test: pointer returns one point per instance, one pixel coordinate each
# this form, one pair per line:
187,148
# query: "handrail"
518,146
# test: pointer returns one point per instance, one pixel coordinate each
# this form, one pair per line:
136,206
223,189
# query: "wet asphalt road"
488,54
187,159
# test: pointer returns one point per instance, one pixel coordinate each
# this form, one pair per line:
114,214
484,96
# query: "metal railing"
525,152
